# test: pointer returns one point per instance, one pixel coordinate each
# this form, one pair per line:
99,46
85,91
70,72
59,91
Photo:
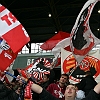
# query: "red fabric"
13,35
16,38
55,90
6,56
90,63
12,31
22,72
58,41
28,92
51,43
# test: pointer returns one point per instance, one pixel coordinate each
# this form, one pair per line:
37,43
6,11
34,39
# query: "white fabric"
88,35
80,95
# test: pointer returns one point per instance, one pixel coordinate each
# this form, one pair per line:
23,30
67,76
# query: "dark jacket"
87,84
6,93
45,84
35,96
47,96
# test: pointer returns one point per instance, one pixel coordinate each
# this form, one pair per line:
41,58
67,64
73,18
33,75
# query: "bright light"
98,11
49,15
55,31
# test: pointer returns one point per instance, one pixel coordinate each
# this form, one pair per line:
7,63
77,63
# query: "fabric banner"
82,38
58,41
12,31
53,41
90,63
7,56
38,68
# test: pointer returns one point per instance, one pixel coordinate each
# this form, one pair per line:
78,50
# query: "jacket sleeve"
13,96
6,93
46,96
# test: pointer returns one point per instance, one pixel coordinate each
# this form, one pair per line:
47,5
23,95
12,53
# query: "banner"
82,38
90,63
12,31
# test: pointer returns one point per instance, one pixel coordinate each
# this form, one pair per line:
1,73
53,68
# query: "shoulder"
53,84
47,96
92,95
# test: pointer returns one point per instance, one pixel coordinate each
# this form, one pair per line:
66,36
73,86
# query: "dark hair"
65,75
48,75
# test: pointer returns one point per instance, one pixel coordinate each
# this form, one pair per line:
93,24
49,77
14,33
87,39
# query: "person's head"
64,79
46,77
70,92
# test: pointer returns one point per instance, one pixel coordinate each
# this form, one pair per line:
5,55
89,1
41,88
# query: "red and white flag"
82,38
91,63
58,41
13,37
12,31
7,56
52,42
36,69
95,55
72,62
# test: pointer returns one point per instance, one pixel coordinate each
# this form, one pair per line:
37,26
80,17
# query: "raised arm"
36,88
43,94
97,88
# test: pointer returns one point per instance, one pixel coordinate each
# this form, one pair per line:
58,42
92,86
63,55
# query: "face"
45,78
63,79
70,92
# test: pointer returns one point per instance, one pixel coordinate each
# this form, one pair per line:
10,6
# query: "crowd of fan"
15,89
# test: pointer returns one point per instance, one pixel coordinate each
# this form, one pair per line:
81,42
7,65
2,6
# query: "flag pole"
55,61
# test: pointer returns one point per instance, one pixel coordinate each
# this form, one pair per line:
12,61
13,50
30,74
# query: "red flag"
6,55
82,38
52,42
12,31
58,41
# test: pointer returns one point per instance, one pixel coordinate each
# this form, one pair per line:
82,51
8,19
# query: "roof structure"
33,14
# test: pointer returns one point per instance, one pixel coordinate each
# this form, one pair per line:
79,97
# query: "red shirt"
56,90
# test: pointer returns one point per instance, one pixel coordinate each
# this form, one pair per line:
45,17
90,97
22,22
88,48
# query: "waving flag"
72,62
82,38
58,41
12,31
38,68
90,63
6,55
52,42
13,37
